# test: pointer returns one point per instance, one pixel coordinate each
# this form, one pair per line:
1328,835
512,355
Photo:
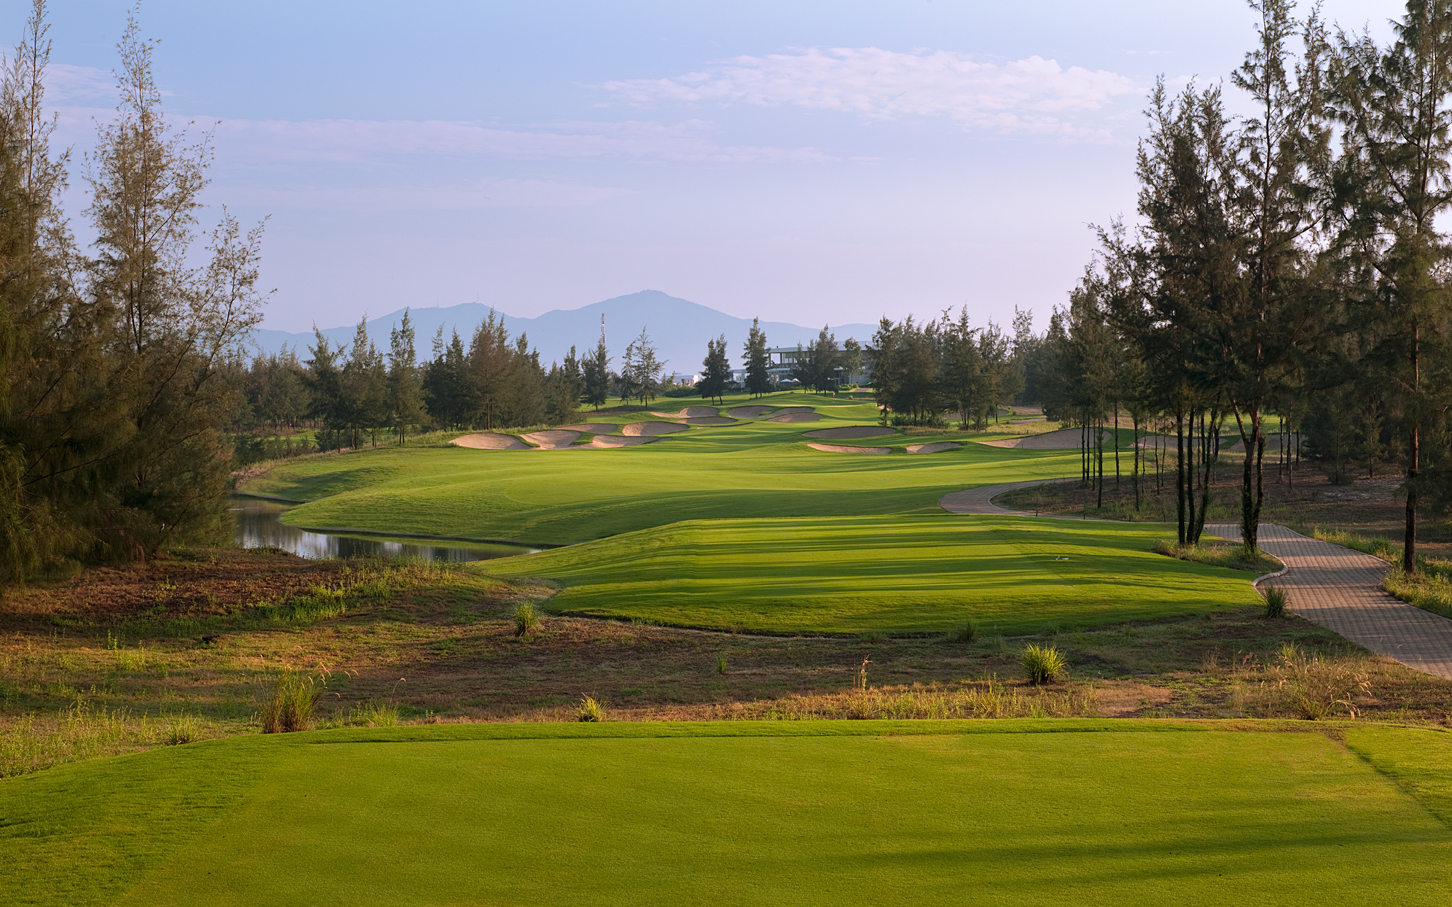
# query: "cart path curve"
1329,585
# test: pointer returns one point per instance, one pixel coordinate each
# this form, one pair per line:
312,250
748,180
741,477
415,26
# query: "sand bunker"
690,412
933,447
711,420
651,429
594,428
748,412
851,431
1067,439
795,417
787,410
488,440
617,441
554,439
842,448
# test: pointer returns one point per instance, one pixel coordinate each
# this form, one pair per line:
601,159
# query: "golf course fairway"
551,497
1002,812
908,574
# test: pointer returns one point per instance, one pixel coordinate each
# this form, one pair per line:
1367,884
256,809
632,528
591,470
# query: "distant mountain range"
679,329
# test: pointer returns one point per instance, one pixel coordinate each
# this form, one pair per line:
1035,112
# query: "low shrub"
375,713
183,729
964,634
1044,664
526,620
589,710
290,707
1275,602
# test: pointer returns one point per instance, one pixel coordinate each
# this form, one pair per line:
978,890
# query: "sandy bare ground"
787,410
843,448
711,420
795,417
553,439
594,428
1067,439
748,412
651,429
851,431
618,441
488,440
933,447
690,412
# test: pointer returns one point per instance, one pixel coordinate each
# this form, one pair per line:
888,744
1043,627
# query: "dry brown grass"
86,672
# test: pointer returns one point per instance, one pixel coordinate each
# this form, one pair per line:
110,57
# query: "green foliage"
1275,602
964,634
526,620
721,665
1043,664
290,707
589,709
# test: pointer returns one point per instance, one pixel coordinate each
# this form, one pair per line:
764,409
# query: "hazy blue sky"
802,161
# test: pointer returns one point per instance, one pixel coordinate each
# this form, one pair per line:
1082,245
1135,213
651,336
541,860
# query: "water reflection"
258,527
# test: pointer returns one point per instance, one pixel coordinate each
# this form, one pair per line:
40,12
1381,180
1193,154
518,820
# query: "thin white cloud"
1035,95
67,82
510,193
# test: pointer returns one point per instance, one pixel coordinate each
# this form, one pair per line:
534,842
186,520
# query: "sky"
811,162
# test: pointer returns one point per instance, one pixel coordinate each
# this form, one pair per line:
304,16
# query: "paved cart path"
1327,584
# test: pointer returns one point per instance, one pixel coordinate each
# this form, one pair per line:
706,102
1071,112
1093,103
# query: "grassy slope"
901,574
803,813
759,469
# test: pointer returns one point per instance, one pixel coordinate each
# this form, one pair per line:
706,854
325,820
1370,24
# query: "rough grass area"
1221,554
889,574
81,676
999,813
751,470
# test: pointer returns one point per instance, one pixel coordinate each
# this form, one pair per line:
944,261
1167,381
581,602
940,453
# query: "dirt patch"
651,429
795,417
691,412
555,439
711,420
620,441
748,412
594,428
844,448
934,447
851,431
488,440
1067,439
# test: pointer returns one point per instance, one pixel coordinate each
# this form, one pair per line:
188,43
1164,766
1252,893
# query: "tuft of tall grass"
1428,591
290,708
1275,602
375,713
526,620
589,710
964,634
1308,687
1044,664
721,665
183,729
981,699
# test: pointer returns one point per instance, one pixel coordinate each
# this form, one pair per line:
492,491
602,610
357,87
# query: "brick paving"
1327,584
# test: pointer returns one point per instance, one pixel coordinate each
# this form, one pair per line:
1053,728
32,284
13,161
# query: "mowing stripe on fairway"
958,813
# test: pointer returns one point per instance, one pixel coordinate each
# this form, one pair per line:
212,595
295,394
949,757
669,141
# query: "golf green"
1004,813
893,574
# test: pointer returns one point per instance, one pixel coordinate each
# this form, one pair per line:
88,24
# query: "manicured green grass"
759,469
1004,813
892,574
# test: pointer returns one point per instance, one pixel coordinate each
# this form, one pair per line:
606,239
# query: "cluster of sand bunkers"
606,435
632,434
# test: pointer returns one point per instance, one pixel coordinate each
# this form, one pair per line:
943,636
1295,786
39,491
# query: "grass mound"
885,574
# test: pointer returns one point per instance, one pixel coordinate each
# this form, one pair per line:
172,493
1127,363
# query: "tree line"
114,378
1292,262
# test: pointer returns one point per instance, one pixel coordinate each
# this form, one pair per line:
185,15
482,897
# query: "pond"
258,527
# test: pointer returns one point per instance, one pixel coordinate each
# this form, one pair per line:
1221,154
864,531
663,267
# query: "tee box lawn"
803,813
